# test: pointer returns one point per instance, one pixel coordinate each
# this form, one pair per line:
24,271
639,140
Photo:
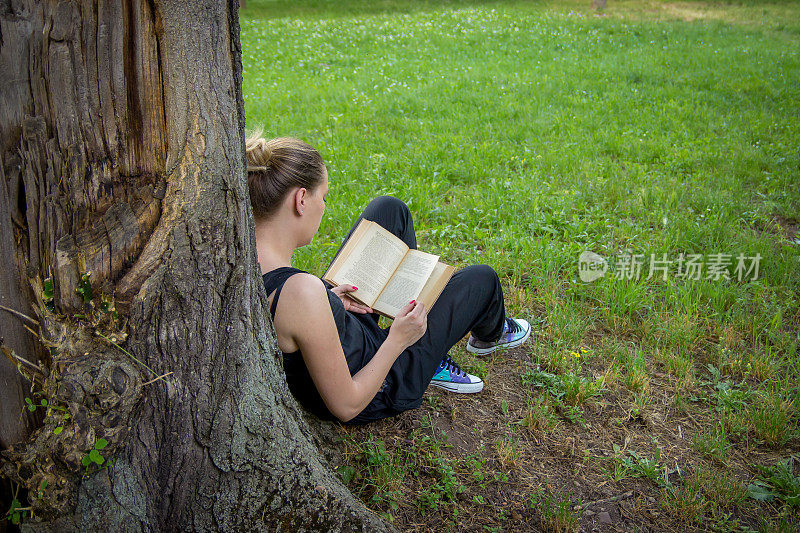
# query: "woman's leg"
392,214
471,301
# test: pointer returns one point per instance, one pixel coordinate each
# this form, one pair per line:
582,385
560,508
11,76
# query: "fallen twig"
17,360
22,316
129,354
623,496
156,379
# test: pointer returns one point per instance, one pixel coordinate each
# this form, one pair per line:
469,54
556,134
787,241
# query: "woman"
338,361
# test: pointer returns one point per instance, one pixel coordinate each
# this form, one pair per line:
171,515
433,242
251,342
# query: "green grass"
522,133
557,511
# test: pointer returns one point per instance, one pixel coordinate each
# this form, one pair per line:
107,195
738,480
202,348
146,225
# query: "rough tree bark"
122,180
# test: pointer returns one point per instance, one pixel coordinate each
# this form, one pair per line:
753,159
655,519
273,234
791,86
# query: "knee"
389,204
482,280
481,274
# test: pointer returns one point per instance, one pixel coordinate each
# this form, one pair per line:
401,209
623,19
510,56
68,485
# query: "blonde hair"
276,166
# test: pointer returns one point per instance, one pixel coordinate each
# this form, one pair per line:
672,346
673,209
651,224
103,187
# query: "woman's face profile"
316,204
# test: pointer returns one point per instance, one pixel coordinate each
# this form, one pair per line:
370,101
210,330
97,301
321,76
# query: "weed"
33,406
16,512
477,367
577,389
713,442
347,473
43,404
377,474
684,501
573,413
680,402
386,470
433,401
446,488
679,366
95,456
770,419
786,522
618,471
636,377
731,362
611,376
778,482
538,414
641,401
448,481
559,361
726,396
570,388
679,332
556,511
765,365
632,464
475,465
722,490
508,452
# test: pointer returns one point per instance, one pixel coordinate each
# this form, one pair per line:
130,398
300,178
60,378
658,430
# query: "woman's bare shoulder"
305,288
303,312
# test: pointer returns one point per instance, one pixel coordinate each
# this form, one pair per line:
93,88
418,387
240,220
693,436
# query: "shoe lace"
513,325
452,366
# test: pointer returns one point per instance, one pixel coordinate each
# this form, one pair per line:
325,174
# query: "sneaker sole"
484,351
462,388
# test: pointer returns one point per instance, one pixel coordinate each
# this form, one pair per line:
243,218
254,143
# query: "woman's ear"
300,200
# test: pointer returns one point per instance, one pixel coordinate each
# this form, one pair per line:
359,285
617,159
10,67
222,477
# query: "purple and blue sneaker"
450,377
515,332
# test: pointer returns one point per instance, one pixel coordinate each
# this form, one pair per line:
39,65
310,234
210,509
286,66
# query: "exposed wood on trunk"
16,422
122,144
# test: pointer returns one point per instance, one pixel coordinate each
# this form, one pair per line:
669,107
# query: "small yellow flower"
584,351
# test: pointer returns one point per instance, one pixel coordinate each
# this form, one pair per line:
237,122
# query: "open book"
388,273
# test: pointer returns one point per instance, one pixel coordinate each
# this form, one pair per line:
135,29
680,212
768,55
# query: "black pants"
471,301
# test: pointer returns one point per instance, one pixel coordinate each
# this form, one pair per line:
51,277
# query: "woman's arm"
304,315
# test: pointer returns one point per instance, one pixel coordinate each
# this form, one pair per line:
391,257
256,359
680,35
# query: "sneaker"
450,377
515,332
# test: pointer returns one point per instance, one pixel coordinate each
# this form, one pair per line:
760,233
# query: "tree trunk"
121,130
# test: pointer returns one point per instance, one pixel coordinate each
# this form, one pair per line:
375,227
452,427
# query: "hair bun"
259,152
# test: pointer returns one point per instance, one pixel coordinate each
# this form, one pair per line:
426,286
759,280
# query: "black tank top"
359,336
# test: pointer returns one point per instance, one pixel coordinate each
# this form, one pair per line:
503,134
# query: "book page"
369,262
436,283
407,282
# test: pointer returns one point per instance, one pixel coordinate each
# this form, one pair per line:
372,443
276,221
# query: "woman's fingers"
407,309
343,289
410,323
358,307
350,304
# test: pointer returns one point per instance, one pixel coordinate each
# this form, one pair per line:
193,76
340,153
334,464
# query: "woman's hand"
410,324
350,304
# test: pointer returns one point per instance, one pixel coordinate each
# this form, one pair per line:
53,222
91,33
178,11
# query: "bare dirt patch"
576,460
687,12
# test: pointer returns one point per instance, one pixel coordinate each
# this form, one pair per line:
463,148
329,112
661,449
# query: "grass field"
521,134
